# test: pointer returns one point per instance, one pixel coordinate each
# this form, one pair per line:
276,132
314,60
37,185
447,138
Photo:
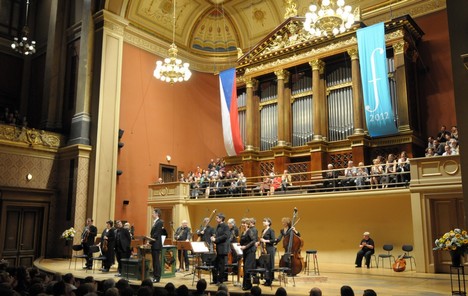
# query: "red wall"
438,106
182,120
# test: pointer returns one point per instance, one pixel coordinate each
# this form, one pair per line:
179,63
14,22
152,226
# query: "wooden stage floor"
384,281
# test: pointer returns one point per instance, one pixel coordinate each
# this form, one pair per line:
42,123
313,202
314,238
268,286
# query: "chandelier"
330,18
172,69
23,44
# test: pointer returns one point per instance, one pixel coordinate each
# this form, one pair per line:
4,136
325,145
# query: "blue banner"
374,77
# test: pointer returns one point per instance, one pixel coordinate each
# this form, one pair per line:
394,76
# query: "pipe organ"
300,98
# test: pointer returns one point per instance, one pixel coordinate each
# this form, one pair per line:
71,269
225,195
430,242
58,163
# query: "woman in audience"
376,172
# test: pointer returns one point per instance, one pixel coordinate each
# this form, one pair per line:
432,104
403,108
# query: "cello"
292,244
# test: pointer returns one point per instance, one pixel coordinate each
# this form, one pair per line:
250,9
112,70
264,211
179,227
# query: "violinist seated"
367,249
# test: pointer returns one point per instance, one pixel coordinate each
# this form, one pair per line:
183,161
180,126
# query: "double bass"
292,244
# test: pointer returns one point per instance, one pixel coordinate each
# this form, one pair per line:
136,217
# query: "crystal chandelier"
330,18
23,44
172,70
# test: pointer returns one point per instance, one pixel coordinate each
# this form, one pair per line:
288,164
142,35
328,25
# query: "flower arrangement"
455,239
69,234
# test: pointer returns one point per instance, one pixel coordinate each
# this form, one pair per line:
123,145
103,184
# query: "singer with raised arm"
156,244
87,240
222,239
183,233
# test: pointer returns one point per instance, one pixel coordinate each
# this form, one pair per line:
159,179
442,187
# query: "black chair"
76,255
96,255
203,266
262,266
388,255
407,249
283,273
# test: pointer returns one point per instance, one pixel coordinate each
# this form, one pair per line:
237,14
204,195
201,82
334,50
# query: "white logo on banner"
374,81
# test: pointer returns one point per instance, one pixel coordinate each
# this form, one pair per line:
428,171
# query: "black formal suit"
248,240
269,235
87,240
122,246
156,247
222,241
208,232
183,234
108,235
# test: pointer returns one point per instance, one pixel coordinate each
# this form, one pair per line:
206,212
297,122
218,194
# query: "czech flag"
229,115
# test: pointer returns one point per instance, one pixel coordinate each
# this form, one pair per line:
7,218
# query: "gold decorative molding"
317,65
308,55
32,137
353,53
341,85
290,7
400,47
250,82
282,74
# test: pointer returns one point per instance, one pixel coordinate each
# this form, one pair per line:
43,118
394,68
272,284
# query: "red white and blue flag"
229,115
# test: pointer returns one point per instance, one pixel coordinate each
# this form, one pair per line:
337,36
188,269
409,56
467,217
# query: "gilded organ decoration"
290,7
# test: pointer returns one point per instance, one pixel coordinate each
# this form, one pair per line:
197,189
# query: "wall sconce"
168,158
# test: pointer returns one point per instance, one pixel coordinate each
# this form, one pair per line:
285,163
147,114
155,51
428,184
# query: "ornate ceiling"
211,33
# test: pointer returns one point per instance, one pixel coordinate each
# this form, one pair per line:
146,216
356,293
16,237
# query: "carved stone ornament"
29,136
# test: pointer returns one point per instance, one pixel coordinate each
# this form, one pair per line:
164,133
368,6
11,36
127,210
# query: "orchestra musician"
183,233
122,244
223,246
107,246
156,244
248,247
267,240
87,240
234,239
205,235
286,221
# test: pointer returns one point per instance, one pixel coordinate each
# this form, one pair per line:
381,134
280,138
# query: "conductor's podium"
133,268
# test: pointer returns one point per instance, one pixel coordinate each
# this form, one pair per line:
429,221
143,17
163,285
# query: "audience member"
256,291
315,292
369,292
281,292
346,291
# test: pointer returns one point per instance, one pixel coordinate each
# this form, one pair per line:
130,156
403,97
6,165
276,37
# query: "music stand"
183,246
237,248
199,248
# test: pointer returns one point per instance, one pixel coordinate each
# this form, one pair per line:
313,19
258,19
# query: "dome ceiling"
218,30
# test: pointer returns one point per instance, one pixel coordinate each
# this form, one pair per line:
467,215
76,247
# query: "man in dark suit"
183,234
87,240
156,244
122,244
222,240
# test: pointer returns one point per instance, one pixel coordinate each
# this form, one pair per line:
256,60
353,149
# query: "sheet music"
237,249
199,247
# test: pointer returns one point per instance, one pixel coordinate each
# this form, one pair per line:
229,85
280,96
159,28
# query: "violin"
292,244
105,245
400,264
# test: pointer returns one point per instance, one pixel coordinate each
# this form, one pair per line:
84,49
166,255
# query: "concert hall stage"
332,276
